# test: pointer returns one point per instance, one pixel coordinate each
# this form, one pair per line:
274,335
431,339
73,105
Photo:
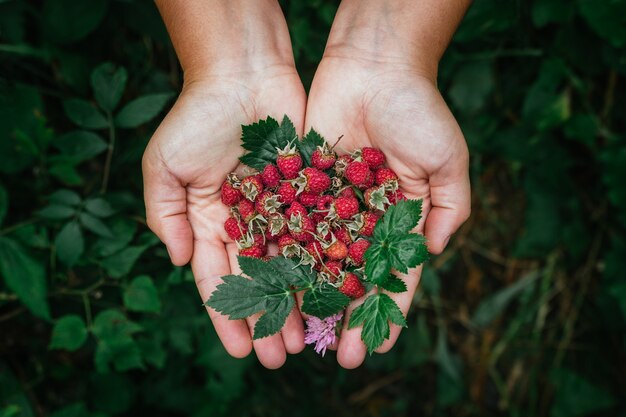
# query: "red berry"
267,203
337,251
347,192
252,251
315,250
375,198
234,228
287,192
385,175
323,158
333,268
254,247
368,183
396,196
252,186
343,235
288,246
357,250
358,173
301,228
276,226
352,286
369,222
271,176
230,195
246,210
373,157
308,198
289,162
346,207
342,162
296,208
313,180
324,203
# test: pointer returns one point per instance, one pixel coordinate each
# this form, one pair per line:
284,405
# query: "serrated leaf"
286,270
378,265
67,197
263,139
84,114
375,314
274,317
80,145
394,284
141,110
95,225
99,207
324,300
120,264
399,219
308,144
25,276
69,333
69,243
108,83
141,295
407,251
56,212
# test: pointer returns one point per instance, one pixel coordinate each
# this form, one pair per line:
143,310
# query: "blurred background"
523,315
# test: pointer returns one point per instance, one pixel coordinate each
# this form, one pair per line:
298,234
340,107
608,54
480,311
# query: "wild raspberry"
352,286
341,164
358,173
396,196
301,228
357,250
343,235
289,162
324,203
376,198
323,157
276,226
253,252
369,222
315,249
252,186
246,210
373,157
267,203
336,251
287,192
254,246
230,195
271,176
333,268
313,180
288,246
308,199
296,208
346,207
234,228
347,192
385,175
368,183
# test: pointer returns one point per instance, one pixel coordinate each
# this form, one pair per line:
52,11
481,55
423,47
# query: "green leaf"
308,145
607,18
142,110
324,300
24,276
66,21
67,197
80,145
69,333
268,290
394,284
99,207
576,396
115,343
108,83
375,314
95,225
4,203
263,139
399,219
123,232
141,295
56,212
66,173
69,243
491,307
84,114
378,263
407,251
121,263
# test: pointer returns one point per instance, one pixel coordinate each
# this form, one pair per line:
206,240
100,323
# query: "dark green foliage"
523,315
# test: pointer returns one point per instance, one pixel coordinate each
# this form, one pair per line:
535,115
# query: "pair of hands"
387,105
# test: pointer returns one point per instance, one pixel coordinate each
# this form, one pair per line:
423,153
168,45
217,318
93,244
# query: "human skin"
377,86
238,67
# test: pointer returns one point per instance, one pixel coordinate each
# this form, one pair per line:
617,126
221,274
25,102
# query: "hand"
397,108
184,165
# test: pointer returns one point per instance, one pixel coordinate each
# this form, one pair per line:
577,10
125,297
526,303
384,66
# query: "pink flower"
321,332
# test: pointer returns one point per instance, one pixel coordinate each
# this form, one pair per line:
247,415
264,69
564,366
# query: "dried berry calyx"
341,224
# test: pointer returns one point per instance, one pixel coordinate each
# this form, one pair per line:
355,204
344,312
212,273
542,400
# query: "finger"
403,300
269,350
351,350
166,208
450,204
210,262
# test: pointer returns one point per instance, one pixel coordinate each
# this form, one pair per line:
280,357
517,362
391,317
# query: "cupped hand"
184,165
398,109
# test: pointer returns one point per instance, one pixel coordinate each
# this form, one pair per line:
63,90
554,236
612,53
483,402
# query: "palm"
187,160
402,114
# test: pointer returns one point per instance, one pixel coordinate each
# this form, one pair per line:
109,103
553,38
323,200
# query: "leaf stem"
16,226
111,148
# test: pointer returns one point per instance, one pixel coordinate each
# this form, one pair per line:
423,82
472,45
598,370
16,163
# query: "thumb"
450,204
166,209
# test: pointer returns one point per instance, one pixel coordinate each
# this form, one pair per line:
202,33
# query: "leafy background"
523,315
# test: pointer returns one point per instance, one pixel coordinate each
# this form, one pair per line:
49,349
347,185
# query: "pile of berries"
321,215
